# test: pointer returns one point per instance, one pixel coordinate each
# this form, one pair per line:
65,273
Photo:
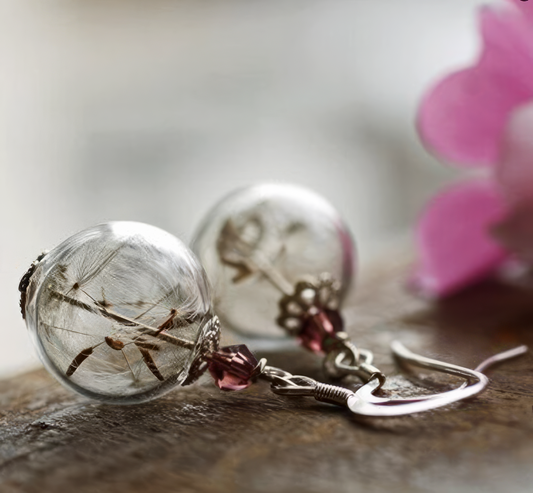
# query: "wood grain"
203,440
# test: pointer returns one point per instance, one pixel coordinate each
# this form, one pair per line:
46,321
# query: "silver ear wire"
365,403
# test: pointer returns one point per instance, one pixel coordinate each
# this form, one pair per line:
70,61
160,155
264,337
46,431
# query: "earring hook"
365,403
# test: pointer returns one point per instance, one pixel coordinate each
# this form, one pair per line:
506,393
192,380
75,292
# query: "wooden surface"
201,439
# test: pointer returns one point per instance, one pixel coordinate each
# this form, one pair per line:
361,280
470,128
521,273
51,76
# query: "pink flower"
481,118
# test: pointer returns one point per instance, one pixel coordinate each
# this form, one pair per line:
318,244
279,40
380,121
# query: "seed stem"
142,328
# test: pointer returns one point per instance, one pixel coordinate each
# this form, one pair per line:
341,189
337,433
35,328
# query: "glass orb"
257,243
118,312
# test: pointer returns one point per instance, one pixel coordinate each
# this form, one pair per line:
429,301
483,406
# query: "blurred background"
151,110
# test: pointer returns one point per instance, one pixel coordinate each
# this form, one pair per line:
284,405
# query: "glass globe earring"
121,312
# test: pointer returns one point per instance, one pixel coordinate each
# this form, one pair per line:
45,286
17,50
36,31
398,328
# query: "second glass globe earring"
281,260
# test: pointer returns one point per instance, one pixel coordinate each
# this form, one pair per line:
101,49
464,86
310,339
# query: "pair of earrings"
122,312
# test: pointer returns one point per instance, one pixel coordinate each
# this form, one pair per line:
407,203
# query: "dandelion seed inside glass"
117,311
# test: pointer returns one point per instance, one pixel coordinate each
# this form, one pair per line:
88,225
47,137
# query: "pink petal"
463,117
453,240
515,169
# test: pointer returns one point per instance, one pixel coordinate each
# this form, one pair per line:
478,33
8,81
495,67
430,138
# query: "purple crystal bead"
319,329
233,367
